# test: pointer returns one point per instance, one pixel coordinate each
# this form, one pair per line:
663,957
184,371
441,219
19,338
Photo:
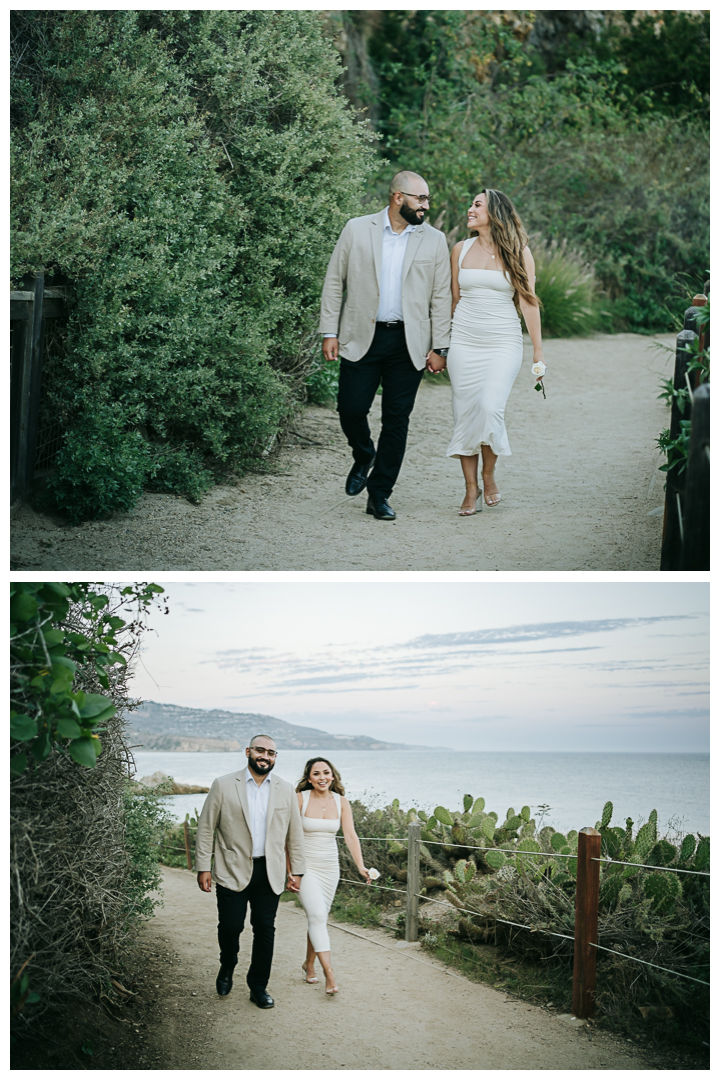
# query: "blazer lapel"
242,795
272,799
376,236
414,241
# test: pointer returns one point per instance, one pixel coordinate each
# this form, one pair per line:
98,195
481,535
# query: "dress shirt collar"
387,225
250,779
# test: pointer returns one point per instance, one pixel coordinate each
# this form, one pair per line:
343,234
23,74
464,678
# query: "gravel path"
397,1007
578,491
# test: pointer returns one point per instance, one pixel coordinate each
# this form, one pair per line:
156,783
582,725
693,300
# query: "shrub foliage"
187,172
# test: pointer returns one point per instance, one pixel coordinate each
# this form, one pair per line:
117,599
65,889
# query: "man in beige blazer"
385,312
253,816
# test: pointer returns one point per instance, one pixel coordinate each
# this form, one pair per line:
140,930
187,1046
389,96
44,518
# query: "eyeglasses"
420,198
264,750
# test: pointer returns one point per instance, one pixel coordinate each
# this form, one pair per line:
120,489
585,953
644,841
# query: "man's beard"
261,768
413,217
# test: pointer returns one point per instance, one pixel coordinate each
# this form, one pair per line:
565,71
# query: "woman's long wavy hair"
509,236
304,781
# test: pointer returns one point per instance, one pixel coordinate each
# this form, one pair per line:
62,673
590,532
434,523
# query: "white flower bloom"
538,369
373,874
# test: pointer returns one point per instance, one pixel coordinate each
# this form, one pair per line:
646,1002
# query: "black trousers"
387,361
232,908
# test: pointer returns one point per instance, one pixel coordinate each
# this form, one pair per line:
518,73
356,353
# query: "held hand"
293,883
435,364
330,348
366,874
204,880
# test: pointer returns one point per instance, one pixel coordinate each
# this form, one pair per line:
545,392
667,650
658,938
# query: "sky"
581,666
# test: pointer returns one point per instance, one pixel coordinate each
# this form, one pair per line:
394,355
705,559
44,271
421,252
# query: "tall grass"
567,289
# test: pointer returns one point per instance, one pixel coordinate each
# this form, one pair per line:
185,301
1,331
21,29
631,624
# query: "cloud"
536,631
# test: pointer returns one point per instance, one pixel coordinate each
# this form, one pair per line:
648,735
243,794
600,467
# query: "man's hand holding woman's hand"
293,883
435,363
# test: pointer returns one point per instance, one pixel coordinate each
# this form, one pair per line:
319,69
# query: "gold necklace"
327,802
485,249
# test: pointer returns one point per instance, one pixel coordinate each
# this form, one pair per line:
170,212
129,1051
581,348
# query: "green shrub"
100,469
567,290
146,822
322,382
179,470
188,173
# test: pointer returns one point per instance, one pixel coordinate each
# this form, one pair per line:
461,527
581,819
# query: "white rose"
373,874
538,369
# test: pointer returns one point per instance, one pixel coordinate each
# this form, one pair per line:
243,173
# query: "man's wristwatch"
441,352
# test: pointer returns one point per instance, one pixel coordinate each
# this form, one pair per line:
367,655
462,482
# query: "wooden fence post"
696,543
413,881
187,844
674,486
586,923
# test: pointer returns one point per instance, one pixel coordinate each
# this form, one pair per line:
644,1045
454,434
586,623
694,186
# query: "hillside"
174,727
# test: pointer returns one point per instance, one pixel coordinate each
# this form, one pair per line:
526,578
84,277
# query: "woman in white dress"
323,808
493,280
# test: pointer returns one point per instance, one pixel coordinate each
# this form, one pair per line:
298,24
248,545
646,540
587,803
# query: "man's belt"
393,322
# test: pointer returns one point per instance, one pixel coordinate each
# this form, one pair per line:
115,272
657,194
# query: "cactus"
432,822
478,805
687,849
495,859
662,854
644,840
663,890
702,855
464,871
433,883
525,813
558,841
459,834
494,816
422,815
528,831
488,828
467,802
513,824
476,820
442,815
606,815
510,813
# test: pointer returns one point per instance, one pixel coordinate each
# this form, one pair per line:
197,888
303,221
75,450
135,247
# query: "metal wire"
647,866
386,888
648,964
508,851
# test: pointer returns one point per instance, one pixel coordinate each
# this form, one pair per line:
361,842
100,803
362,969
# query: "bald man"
385,313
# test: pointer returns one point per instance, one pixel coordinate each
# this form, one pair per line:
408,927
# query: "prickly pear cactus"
644,841
467,802
478,805
558,841
687,848
664,890
488,828
606,815
442,815
495,859
662,854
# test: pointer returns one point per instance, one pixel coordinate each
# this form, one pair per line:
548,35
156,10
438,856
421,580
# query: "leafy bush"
146,822
100,469
322,382
188,173
567,291
180,470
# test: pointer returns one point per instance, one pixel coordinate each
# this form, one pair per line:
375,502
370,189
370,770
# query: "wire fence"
414,897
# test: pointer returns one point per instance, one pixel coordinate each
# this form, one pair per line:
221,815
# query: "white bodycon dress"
484,360
322,871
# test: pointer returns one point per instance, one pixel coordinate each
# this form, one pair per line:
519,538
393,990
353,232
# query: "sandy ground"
397,1007
578,491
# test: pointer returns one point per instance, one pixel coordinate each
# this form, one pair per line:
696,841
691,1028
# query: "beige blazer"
351,293
227,815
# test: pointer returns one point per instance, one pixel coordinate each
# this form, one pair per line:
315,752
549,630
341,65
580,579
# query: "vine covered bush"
187,173
83,849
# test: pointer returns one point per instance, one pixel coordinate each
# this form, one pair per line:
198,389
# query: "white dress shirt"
258,795
394,247
393,255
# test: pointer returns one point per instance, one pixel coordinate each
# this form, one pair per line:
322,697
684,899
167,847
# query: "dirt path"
577,492
397,1007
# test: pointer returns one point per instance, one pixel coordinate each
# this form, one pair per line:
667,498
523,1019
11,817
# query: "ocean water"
575,786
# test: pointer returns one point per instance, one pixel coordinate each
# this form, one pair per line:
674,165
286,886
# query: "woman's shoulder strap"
305,796
468,243
338,803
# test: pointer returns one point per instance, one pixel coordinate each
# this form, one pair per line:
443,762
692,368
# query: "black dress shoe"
262,999
357,477
380,508
223,983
